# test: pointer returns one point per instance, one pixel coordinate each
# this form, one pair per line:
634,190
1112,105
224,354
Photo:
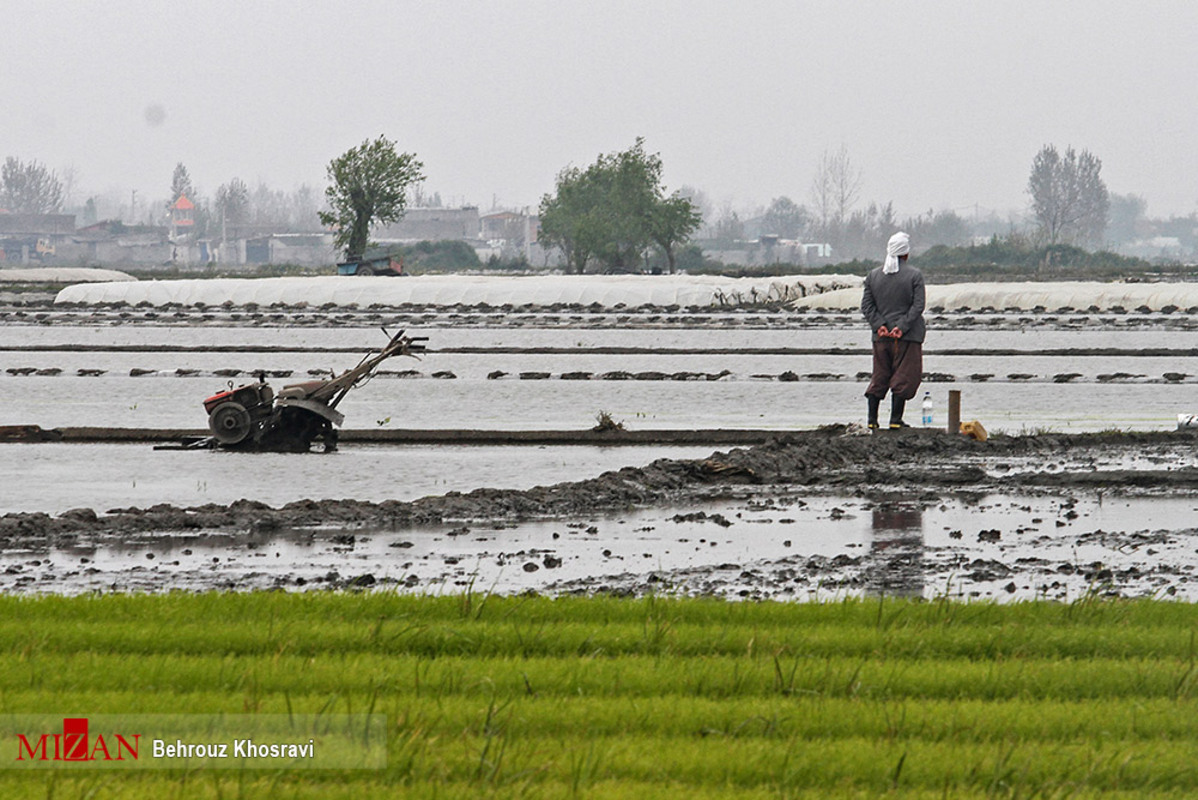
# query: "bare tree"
29,188
267,206
834,191
303,205
846,184
422,199
70,179
728,227
232,204
1070,201
821,195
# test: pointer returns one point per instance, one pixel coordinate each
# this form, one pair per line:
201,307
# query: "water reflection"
896,552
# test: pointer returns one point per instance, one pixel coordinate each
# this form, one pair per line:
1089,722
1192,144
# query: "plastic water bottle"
927,409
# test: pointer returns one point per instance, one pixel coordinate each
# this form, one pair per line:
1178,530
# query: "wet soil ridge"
41,310
829,459
787,376
609,350
607,435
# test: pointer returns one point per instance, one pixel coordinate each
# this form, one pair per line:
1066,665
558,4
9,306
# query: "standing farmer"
893,305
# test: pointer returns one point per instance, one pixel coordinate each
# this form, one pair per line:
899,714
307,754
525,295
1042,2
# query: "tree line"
235,206
30,187
1069,205
616,215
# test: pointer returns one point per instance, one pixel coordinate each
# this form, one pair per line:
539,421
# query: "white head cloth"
899,245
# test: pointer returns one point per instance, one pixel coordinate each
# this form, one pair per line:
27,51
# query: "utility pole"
133,207
527,234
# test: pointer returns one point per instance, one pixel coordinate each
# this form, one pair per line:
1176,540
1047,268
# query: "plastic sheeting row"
606,291
1080,295
61,275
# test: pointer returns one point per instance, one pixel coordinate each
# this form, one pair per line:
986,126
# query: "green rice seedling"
608,697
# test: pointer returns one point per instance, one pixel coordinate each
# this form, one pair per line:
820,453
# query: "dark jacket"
896,301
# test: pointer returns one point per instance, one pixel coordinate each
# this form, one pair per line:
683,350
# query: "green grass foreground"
606,697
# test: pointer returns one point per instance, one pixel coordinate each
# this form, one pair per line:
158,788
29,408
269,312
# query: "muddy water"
759,544
56,477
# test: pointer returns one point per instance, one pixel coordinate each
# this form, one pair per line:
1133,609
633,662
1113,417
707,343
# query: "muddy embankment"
831,460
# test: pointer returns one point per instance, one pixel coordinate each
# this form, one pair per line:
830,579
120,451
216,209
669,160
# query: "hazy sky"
940,103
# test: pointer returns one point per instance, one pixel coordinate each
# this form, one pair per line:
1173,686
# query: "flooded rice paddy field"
778,371
1002,538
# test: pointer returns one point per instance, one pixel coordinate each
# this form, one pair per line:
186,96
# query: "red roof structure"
181,213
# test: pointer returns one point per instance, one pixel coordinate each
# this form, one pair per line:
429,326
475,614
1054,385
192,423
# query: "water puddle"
751,545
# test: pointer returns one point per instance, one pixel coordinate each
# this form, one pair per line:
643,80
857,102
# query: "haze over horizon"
940,104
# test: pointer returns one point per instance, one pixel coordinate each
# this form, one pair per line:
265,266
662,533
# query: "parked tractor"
384,264
254,417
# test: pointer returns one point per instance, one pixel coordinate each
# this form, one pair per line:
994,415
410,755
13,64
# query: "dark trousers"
898,368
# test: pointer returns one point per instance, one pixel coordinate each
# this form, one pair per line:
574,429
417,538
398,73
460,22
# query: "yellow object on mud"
974,430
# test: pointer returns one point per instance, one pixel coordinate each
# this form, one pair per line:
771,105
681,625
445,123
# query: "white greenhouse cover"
1078,295
61,275
608,291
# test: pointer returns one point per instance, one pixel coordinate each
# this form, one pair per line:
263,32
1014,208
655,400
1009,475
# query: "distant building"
1160,248
114,242
26,238
182,219
510,226
767,250
304,249
510,233
36,224
432,224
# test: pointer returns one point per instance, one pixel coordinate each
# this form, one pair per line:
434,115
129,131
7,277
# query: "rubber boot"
874,403
896,412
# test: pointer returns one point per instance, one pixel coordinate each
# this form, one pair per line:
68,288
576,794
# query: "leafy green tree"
631,181
614,211
29,188
674,220
1070,201
369,185
703,205
568,219
181,185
